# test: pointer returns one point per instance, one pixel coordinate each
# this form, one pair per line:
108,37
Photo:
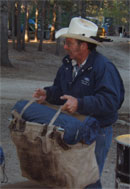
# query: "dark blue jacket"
98,88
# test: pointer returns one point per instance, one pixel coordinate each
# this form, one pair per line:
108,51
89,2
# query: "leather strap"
26,106
55,116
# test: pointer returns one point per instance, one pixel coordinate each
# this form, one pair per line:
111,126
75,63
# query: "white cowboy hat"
79,28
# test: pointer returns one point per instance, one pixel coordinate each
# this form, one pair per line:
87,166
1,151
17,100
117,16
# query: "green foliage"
118,10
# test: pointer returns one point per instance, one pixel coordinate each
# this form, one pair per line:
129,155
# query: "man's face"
73,48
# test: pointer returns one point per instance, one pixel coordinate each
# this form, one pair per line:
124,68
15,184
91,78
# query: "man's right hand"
40,95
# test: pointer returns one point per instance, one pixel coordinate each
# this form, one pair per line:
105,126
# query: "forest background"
30,57
23,20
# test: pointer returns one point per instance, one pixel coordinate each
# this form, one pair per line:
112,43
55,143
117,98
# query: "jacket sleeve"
108,93
54,92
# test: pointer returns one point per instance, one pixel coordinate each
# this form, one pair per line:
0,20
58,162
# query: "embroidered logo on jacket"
85,81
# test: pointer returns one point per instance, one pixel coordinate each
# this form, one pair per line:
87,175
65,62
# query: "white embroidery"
85,81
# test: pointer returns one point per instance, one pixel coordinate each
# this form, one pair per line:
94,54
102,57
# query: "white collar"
74,63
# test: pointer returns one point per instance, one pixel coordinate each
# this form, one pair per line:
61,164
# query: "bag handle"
46,140
47,147
50,127
55,116
52,120
17,124
26,106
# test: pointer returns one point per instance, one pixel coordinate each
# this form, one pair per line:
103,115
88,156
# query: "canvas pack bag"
46,159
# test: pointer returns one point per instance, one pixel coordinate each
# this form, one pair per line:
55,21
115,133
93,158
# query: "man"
88,83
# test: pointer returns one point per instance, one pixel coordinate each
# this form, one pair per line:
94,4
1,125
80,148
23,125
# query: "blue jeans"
103,143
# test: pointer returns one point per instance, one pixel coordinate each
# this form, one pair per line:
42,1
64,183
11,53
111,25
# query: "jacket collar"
89,62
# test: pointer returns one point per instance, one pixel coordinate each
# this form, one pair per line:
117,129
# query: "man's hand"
40,95
71,104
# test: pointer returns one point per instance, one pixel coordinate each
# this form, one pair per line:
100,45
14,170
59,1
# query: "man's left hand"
71,104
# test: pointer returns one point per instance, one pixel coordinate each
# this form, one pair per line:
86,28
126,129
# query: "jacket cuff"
47,92
80,104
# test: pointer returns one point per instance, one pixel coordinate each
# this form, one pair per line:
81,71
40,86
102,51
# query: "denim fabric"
75,130
1,156
103,143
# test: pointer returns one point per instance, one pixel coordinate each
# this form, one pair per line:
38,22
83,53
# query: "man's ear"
84,46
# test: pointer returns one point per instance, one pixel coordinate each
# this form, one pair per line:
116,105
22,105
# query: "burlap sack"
46,159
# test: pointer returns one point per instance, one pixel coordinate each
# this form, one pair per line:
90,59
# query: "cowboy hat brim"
64,33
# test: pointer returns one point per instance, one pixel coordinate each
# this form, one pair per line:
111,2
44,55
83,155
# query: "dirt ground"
34,66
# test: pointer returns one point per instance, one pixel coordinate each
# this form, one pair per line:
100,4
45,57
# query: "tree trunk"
19,27
27,26
79,4
10,15
36,25
42,18
74,10
52,33
13,24
84,8
46,21
24,25
59,26
4,59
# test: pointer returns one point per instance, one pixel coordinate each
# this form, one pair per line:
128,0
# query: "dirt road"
34,69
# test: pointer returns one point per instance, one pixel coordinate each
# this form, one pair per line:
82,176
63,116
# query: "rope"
27,105
55,116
